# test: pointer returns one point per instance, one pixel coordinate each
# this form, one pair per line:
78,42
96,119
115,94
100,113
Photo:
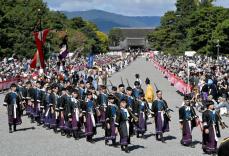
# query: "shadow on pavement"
134,147
149,135
170,137
25,129
196,142
99,139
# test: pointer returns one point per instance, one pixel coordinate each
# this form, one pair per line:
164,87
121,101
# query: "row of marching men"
69,110
209,126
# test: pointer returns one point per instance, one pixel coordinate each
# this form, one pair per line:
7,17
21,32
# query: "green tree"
221,33
191,27
103,42
115,36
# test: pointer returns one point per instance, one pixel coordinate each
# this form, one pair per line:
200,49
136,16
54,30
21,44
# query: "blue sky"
125,7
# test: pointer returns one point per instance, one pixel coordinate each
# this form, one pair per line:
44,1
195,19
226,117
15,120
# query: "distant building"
134,38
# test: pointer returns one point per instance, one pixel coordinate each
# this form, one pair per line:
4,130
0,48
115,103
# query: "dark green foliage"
20,18
193,26
115,36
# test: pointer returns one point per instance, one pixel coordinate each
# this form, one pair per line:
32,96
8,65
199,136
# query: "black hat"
111,97
13,85
28,82
137,83
81,82
141,94
114,88
75,91
54,86
64,89
137,75
89,93
187,97
121,85
123,100
103,87
147,81
92,88
48,88
129,88
209,103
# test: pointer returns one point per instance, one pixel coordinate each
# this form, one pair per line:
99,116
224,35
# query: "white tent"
189,53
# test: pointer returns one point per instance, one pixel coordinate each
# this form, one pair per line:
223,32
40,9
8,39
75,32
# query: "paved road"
38,141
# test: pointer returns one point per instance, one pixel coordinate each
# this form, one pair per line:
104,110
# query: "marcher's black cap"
89,93
111,97
187,97
129,89
209,103
13,85
121,85
114,88
137,83
141,94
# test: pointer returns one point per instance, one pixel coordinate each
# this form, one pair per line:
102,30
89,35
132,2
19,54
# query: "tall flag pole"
40,38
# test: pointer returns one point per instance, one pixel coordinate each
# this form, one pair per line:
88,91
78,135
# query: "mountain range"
106,20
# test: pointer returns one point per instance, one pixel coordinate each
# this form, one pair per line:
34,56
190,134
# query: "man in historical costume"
115,94
64,113
82,90
142,114
28,95
149,93
43,104
89,109
131,106
211,130
187,119
54,108
75,110
111,129
47,107
137,76
87,86
102,102
12,102
121,92
122,121
137,89
160,110
36,100
21,90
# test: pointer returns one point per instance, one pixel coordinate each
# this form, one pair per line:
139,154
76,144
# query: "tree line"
20,18
194,26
